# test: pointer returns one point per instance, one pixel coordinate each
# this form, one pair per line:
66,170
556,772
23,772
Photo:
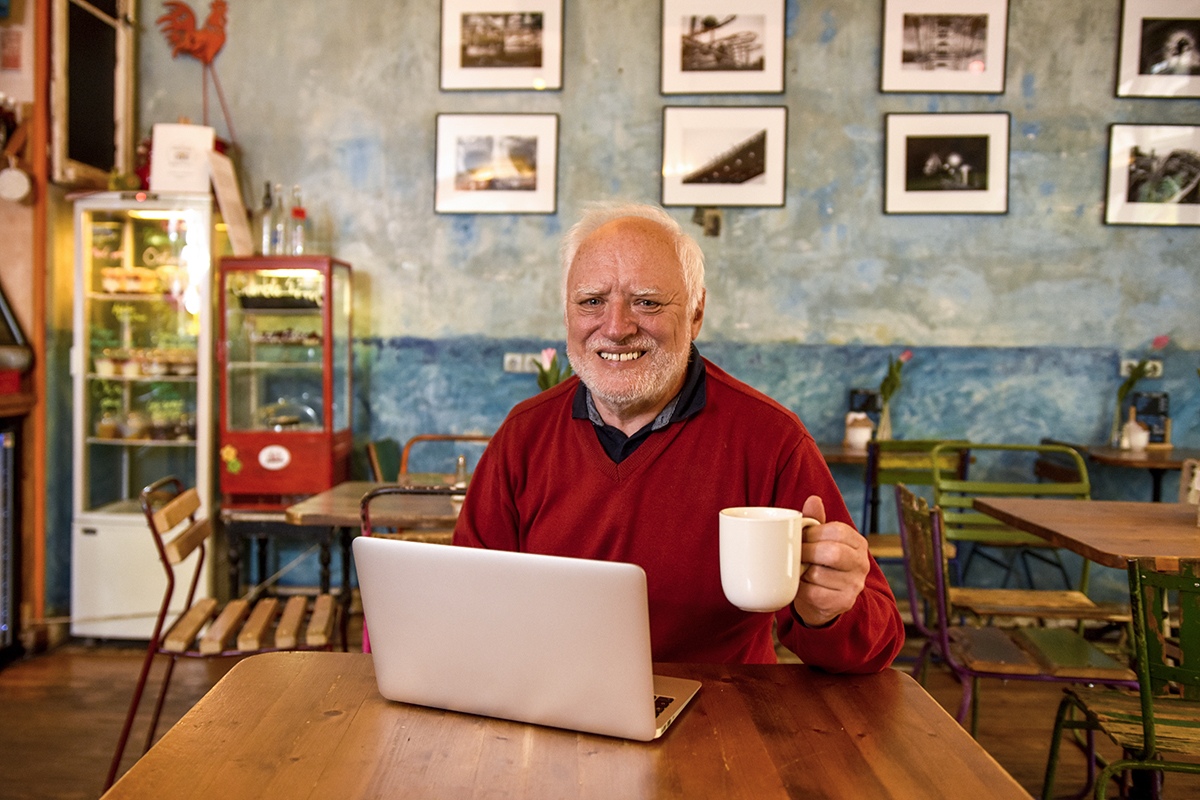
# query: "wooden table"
839,453
338,509
312,725
1155,460
1109,532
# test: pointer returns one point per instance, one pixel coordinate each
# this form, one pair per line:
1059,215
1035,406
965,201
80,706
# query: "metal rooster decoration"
178,24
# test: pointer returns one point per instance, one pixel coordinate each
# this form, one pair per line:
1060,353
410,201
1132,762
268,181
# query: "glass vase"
884,432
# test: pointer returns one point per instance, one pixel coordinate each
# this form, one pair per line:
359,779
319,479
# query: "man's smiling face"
628,328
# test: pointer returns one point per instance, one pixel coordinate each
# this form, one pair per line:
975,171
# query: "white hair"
596,215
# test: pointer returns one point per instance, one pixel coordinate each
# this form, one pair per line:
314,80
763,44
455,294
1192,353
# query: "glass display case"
284,359
143,393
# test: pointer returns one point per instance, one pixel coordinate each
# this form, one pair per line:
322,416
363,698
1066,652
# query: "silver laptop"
563,642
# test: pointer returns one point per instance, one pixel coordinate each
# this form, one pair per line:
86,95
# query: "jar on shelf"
109,424
137,426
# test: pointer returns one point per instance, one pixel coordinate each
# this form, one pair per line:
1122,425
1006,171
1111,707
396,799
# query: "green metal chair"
1162,719
901,461
990,539
383,457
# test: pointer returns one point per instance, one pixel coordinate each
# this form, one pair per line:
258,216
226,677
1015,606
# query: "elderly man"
633,460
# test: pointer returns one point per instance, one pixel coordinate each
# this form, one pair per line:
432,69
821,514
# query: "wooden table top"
1150,458
839,453
312,725
1109,532
339,507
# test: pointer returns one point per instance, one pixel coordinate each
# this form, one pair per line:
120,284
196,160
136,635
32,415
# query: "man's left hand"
838,563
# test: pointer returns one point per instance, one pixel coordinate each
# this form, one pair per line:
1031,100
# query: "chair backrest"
1056,466
445,454
955,495
170,510
909,462
1165,596
1189,489
383,458
925,563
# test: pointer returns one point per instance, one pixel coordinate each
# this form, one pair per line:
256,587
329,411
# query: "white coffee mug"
760,555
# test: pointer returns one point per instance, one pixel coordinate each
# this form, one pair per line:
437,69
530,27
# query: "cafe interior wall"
1017,322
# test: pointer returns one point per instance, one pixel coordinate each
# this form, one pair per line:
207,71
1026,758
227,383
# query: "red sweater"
545,485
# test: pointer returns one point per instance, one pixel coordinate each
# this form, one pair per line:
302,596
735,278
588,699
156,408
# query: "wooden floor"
60,714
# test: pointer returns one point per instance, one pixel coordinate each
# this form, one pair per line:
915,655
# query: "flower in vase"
891,381
1136,373
550,373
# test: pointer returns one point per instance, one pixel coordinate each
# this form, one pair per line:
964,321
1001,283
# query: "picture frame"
1159,49
496,164
724,156
501,44
1153,175
722,46
944,46
946,163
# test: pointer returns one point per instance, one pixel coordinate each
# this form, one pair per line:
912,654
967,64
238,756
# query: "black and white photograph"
1160,49
722,47
1154,175
724,156
501,44
942,46
946,164
496,163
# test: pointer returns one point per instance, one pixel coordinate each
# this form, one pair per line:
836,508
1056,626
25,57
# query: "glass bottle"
298,225
266,229
278,224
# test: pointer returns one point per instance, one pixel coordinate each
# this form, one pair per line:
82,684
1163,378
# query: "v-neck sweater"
545,485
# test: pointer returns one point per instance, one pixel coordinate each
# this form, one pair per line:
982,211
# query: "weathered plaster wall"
343,102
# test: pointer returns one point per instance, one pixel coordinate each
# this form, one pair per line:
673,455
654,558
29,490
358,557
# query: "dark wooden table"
839,453
312,725
1155,460
1109,532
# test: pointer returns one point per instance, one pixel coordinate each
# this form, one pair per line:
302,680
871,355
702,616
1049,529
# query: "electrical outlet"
1154,367
521,362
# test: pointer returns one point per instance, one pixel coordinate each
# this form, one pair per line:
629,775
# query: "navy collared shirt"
689,402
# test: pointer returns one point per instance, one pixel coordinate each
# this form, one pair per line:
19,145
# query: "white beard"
659,371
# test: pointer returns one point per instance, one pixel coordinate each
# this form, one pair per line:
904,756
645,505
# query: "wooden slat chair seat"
1037,603
991,539
972,652
1158,726
206,628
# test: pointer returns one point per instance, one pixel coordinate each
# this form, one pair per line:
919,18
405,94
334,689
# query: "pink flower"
1160,342
906,356
548,356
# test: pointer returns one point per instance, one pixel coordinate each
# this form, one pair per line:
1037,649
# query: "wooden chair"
426,440
204,628
990,539
1161,721
908,462
973,652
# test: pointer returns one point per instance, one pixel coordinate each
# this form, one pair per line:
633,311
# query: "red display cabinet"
284,362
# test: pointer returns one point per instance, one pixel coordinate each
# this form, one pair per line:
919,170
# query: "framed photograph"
1153,175
502,44
722,46
1160,49
944,46
496,163
946,164
726,156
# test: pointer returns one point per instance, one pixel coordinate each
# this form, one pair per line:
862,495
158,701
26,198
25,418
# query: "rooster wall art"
178,24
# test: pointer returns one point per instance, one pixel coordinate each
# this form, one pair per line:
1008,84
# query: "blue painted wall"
1018,321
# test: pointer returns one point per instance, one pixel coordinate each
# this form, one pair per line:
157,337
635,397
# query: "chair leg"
127,727
158,705
974,708
1060,719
